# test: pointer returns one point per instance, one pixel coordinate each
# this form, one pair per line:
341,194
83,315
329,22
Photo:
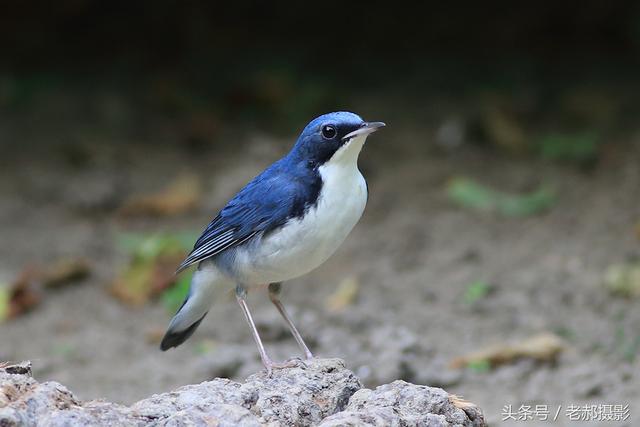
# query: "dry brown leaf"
26,291
344,295
543,347
144,280
502,126
22,295
64,272
181,195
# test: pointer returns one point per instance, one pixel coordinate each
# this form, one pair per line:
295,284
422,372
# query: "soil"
413,255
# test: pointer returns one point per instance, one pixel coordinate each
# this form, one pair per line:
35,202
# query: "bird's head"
334,137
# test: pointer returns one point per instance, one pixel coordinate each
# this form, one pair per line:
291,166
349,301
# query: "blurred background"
499,253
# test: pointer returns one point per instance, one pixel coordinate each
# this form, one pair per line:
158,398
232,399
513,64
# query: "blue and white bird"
286,222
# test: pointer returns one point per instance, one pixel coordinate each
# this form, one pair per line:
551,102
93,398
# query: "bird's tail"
194,308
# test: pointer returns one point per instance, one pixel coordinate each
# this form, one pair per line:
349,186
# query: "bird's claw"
295,362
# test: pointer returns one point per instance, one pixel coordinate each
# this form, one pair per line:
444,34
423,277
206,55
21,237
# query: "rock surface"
317,392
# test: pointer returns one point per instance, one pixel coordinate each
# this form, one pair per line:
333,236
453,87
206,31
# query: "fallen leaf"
623,279
579,147
480,366
132,285
147,246
544,347
151,268
64,272
27,289
144,279
503,128
182,195
472,195
343,296
476,291
21,296
469,194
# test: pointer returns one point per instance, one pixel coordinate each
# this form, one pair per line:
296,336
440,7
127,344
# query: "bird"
283,224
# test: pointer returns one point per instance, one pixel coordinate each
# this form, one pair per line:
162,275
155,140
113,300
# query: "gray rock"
303,395
317,392
221,415
404,404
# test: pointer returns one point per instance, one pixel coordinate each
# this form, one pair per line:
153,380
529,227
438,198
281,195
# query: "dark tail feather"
175,338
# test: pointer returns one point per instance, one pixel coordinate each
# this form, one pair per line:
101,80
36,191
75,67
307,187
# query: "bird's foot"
295,362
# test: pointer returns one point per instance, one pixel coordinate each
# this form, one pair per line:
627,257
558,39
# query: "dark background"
280,63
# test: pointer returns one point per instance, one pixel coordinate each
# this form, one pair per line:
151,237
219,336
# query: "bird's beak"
365,129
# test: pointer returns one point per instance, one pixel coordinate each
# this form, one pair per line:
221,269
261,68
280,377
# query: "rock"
317,392
404,404
303,395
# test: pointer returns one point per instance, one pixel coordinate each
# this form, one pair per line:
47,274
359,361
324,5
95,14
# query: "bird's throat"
347,154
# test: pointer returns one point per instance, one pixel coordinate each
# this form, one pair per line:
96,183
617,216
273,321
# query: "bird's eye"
328,132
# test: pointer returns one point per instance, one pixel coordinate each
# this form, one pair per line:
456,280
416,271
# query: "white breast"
301,245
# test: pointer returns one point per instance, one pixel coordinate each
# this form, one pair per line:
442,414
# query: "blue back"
285,190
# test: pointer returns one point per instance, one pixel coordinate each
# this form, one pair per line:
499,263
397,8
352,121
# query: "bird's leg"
241,295
274,295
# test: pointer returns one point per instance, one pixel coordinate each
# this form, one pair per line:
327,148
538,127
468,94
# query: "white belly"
301,245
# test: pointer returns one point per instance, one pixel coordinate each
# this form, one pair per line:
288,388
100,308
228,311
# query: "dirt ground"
413,255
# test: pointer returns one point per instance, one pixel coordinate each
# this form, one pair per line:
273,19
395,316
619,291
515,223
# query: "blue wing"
266,203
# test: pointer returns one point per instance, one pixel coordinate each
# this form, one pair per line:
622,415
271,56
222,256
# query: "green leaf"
527,204
149,246
479,366
476,291
173,297
574,147
153,259
472,195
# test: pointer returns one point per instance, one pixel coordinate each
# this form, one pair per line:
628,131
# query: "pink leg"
241,295
274,295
